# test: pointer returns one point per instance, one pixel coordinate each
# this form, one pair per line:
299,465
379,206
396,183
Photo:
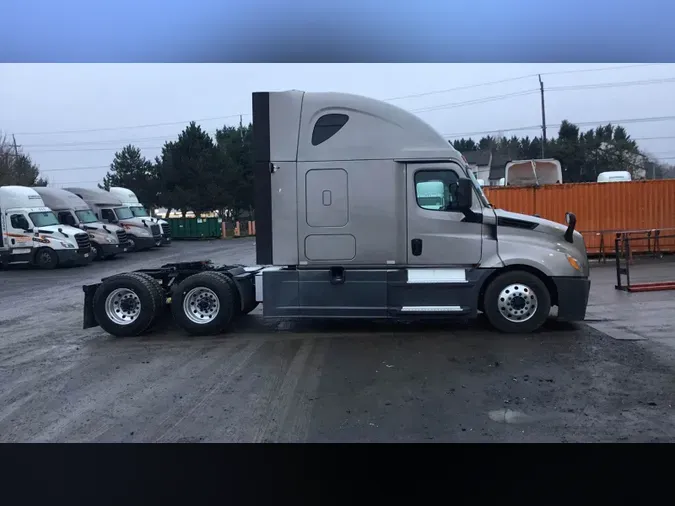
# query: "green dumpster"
195,228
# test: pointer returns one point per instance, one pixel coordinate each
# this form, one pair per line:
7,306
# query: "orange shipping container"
602,209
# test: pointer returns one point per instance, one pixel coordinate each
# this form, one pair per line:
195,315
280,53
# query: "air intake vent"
83,243
122,238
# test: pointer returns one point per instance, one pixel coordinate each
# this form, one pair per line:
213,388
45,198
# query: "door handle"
416,247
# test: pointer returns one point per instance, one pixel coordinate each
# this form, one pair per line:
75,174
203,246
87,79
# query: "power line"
112,148
519,78
653,138
422,110
577,123
100,167
108,129
617,84
92,167
476,101
172,123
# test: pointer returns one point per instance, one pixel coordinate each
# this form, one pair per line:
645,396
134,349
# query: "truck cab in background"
130,200
533,172
141,233
31,233
614,176
107,241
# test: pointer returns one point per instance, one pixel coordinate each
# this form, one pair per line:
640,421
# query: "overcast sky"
71,118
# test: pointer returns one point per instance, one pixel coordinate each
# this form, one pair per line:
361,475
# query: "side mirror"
464,194
36,231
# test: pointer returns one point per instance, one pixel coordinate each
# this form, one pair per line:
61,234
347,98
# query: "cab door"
439,234
19,232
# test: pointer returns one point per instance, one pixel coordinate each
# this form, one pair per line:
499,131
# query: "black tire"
225,292
533,311
97,253
132,244
46,258
158,294
144,291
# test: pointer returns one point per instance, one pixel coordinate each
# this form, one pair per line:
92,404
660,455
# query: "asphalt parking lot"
282,381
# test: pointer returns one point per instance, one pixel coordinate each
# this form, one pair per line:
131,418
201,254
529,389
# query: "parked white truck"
30,233
342,232
141,233
533,172
107,241
130,200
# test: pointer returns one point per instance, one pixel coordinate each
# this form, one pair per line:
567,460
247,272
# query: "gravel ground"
317,382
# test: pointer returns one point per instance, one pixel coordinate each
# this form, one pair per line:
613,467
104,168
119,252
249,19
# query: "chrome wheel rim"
517,303
122,306
45,257
201,305
94,251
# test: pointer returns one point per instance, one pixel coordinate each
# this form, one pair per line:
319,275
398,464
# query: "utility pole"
241,128
16,149
543,119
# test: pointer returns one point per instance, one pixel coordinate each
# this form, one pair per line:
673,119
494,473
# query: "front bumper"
572,297
112,249
73,257
144,242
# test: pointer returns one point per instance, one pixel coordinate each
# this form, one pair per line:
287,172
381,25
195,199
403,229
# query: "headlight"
67,245
110,240
143,231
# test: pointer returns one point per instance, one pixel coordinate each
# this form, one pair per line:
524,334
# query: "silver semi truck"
107,241
130,200
142,234
347,227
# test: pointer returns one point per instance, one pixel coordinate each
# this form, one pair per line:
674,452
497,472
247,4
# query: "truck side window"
19,222
436,190
108,215
327,126
66,218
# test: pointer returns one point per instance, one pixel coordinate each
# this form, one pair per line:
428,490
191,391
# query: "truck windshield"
139,211
86,216
479,189
43,219
123,213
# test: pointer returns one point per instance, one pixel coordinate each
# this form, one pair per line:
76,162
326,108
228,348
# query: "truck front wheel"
131,242
96,252
126,304
517,301
46,258
205,303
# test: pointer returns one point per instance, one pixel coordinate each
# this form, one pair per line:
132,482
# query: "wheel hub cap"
123,306
517,303
201,305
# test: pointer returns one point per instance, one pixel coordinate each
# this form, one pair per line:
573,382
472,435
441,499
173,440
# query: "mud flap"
89,320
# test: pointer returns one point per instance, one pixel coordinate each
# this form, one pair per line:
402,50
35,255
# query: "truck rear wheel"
205,303
46,258
517,301
157,293
125,304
